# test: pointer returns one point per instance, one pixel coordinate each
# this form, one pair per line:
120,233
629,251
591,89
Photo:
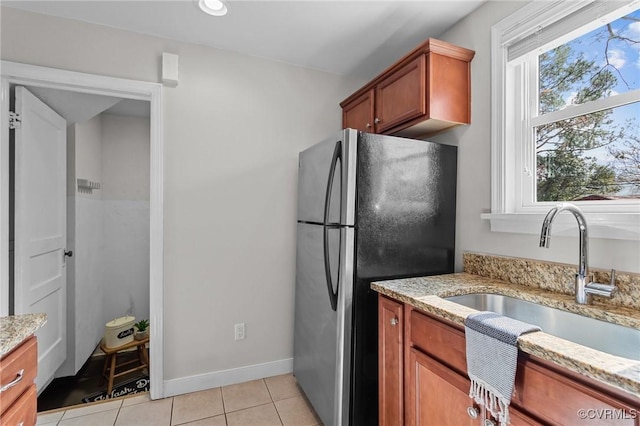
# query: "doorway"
39,78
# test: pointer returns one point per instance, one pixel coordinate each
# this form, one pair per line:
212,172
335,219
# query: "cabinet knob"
368,125
394,321
377,120
473,412
489,422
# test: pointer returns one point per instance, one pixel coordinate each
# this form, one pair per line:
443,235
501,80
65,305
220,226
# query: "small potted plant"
141,327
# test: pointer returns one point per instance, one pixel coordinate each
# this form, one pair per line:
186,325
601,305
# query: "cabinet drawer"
20,365
440,341
557,399
23,412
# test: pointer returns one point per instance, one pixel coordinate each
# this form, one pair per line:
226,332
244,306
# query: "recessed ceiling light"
213,7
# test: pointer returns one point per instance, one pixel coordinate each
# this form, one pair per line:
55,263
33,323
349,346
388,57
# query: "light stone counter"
14,329
427,293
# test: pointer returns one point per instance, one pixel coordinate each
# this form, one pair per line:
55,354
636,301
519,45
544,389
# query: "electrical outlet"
239,331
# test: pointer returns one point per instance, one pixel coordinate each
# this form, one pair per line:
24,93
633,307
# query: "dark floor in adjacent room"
68,391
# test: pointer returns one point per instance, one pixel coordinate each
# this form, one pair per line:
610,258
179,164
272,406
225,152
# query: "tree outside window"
593,155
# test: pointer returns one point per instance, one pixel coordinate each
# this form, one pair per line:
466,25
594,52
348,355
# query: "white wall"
125,203
233,128
85,269
108,230
474,166
89,247
89,154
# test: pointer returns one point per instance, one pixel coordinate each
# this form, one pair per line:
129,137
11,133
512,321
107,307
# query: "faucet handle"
603,290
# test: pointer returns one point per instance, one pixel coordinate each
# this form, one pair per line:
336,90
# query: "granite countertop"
427,293
14,329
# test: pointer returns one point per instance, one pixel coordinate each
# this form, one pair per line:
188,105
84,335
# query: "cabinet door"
401,96
359,113
440,396
390,365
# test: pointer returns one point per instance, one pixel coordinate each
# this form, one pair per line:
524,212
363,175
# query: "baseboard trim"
216,379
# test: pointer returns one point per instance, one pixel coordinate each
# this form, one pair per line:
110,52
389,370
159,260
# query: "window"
566,115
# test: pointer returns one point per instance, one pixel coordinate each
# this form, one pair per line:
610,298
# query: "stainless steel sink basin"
611,338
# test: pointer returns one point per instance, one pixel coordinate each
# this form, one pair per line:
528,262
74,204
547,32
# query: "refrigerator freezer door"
328,162
321,335
406,207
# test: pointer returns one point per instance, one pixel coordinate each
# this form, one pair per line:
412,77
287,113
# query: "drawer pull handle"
14,382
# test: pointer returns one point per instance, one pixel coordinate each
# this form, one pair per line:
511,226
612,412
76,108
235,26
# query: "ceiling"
358,39
77,107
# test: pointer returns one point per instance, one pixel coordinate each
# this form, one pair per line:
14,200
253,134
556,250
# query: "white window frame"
514,92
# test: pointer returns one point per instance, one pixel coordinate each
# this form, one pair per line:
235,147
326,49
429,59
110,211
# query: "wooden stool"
110,364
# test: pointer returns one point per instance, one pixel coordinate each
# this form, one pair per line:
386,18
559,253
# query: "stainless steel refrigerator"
370,207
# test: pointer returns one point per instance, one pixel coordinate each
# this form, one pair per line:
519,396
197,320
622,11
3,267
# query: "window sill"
616,226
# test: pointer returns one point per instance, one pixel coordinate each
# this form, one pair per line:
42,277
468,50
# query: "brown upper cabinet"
424,93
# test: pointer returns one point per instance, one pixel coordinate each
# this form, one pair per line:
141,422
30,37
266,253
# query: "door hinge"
15,120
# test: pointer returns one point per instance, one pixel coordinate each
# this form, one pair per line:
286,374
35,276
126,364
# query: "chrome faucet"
584,288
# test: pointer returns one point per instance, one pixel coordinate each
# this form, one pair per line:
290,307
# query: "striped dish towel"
492,358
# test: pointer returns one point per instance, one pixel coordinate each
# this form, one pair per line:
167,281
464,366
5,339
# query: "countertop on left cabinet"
15,328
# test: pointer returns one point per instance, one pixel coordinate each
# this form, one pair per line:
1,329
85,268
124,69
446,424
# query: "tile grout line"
224,409
278,413
115,421
273,402
173,401
268,390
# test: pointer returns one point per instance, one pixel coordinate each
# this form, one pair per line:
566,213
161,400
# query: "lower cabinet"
18,400
434,388
390,362
23,412
439,396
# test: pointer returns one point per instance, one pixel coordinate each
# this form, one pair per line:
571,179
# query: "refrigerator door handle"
337,155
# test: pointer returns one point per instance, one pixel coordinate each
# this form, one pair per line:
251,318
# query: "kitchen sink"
607,337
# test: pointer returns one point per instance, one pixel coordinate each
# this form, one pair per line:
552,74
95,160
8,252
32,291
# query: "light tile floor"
276,401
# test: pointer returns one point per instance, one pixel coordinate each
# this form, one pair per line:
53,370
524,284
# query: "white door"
40,226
